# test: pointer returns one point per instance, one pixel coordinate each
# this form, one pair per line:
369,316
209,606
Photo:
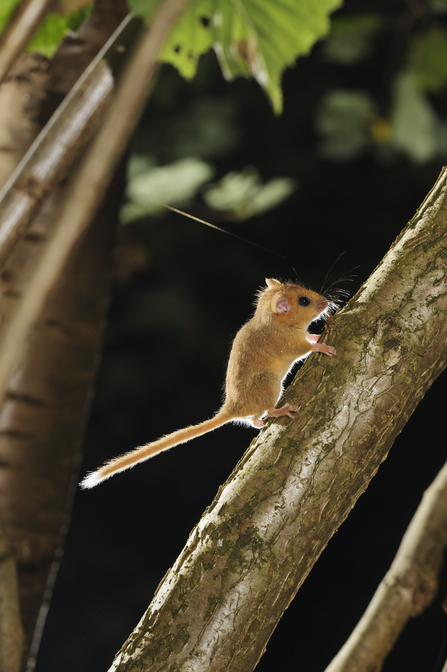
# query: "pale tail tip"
91,480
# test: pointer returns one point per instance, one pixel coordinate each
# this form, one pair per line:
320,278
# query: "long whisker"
329,270
218,228
349,277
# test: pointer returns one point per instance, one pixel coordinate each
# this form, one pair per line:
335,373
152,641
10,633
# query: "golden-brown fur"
262,354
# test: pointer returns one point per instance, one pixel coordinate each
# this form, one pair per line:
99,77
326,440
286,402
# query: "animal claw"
288,409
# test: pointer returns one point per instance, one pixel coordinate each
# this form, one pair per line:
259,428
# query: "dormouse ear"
272,283
280,303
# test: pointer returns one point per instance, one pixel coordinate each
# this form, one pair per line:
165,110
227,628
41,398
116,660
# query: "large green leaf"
53,28
257,38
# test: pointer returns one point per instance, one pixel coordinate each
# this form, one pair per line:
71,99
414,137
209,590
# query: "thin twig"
406,590
19,31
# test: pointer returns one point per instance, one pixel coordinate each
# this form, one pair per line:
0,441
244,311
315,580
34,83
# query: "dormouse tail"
150,449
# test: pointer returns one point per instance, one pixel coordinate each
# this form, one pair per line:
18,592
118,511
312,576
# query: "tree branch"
89,184
244,562
50,157
41,421
407,589
11,631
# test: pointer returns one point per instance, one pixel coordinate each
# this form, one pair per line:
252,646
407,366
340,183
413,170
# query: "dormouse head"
291,304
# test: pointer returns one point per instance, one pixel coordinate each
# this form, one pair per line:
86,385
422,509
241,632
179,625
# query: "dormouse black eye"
303,301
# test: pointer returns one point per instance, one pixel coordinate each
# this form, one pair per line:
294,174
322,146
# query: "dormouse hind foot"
273,412
287,409
328,350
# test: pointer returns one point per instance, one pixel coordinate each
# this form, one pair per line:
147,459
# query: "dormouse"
263,352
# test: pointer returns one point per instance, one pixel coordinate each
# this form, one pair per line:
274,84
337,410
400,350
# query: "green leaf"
428,61
144,8
54,28
191,37
351,38
437,6
6,9
414,122
252,38
343,121
242,194
150,186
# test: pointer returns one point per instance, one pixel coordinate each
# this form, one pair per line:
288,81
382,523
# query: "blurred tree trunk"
218,605
42,419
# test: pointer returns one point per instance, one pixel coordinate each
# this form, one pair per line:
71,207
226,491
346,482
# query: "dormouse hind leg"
258,422
328,350
287,409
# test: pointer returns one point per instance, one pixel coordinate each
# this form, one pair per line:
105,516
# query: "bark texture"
245,560
88,186
11,631
67,132
41,420
42,417
21,97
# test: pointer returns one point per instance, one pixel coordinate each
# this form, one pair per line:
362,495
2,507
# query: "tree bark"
42,417
53,305
11,631
88,186
245,560
63,138
20,101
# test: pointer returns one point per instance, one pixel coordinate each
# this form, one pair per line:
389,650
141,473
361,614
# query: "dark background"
169,333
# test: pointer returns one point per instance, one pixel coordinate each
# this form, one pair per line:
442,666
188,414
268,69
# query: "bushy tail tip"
147,451
91,480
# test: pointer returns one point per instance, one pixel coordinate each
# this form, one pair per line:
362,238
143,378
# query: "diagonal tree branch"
52,154
89,185
244,562
407,589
